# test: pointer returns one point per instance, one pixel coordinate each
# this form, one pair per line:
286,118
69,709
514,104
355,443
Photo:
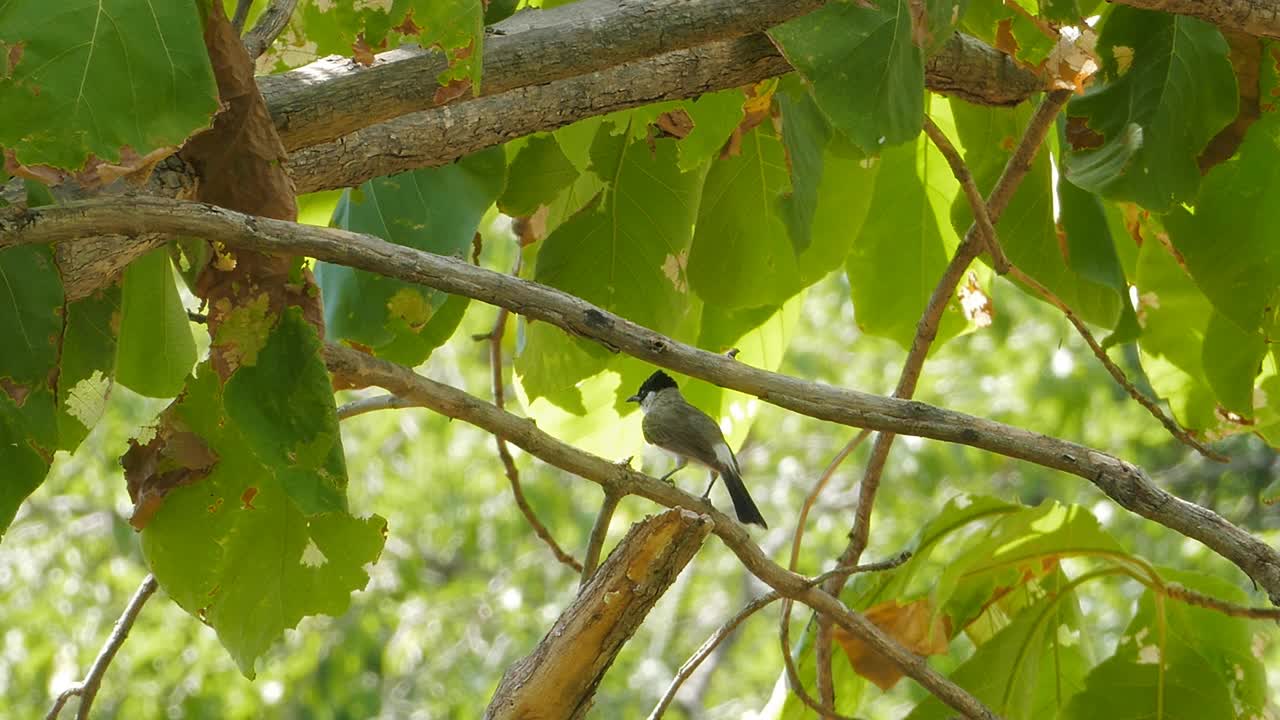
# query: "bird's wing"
660,434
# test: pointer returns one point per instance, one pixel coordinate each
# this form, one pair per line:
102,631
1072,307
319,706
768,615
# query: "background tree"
818,186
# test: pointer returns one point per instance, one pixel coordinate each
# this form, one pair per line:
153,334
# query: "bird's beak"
634,398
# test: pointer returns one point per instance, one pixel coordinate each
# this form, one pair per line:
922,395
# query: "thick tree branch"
1254,17
559,678
335,96
1127,484
964,67
621,479
87,689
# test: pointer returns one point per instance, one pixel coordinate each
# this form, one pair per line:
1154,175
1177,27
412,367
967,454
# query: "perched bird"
683,430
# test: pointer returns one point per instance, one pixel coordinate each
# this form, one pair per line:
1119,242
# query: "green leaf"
616,253
1175,314
1229,246
87,77
31,299
433,209
1169,89
156,350
1091,251
805,134
908,228
265,539
539,172
741,255
714,115
1016,542
1026,229
86,365
866,72
1232,360
453,26
1178,662
1028,668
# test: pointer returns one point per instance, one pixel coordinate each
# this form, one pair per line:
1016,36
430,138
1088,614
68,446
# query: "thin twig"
981,218
513,475
1015,169
724,631
823,670
1191,597
598,532
370,404
241,15
270,24
1117,374
87,689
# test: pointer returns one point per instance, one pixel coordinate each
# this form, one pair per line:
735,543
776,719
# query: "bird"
683,430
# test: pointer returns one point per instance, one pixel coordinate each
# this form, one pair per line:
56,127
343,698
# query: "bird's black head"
657,381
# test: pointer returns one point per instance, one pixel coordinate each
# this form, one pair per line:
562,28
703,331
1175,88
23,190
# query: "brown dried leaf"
172,458
361,52
675,123
408,27
450,91
1080,136
914,626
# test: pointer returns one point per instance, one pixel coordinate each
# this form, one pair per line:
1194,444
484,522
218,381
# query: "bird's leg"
714,476
680,463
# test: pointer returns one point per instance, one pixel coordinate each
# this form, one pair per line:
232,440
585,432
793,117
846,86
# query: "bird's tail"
742,502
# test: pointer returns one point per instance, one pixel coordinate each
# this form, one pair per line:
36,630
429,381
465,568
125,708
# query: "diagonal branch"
1128,485
87,689
270,24
508,463
621,479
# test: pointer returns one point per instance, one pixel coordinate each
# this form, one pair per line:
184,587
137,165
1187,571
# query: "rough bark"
559,678
964,68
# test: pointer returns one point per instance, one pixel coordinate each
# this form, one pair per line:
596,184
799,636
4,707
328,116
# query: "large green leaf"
266,538
1175,314
539,172
1229,242
156,348
1178,662
1090,248
905,243
618,253
1169,88
1026,228
433,209
866,71
1016,543
30,304
90,77
1029,668
741,255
